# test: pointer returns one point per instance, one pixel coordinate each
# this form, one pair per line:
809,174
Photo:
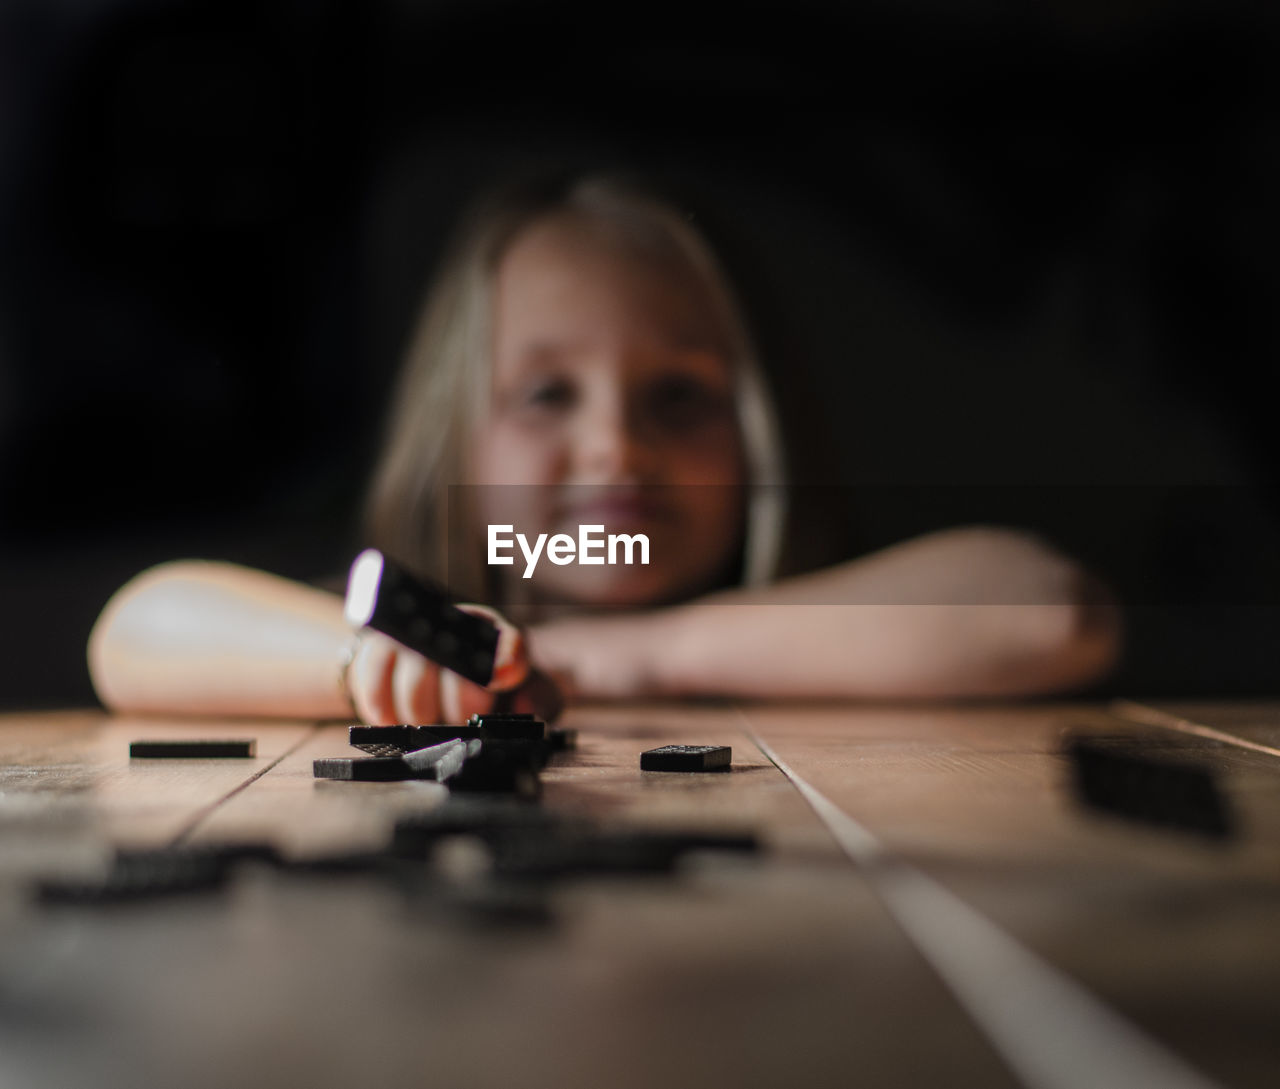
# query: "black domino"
197,749
502,769
393,740
562,740
489,818
384,596
142,875
543,857
1137,787
687,758
509,726
577,851
397,740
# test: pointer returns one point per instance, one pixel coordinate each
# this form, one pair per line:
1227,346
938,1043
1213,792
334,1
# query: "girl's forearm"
967,613
879,651
788,650
210,638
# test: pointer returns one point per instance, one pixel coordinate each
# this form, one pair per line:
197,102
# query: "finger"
511,656
369,680
414,689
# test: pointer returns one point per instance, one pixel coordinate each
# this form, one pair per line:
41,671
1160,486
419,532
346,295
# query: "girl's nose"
612,447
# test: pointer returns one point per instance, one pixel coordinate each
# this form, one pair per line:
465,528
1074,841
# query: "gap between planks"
204,814
1153,716
1048,1029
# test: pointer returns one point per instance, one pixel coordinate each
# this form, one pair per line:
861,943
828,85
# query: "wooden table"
932,908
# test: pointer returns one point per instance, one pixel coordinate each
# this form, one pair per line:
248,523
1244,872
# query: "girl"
582,360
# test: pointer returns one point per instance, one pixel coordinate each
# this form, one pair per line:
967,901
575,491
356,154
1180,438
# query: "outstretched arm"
201,638
972,612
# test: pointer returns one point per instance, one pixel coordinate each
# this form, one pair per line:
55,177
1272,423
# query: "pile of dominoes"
492,753
513,849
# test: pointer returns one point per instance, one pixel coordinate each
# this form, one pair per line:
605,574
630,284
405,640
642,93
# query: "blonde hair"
443,387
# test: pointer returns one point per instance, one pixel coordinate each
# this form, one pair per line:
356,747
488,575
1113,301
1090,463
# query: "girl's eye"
551,394
680,404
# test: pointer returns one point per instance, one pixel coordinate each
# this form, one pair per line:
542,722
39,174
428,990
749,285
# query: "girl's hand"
391,684
610,657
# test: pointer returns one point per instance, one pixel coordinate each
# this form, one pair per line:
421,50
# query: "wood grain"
781,969
784,969
1173,932
68,778
1253,725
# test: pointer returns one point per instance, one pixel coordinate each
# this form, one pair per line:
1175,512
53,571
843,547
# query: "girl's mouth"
616,508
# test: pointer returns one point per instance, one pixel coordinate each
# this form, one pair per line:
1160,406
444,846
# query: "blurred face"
612,404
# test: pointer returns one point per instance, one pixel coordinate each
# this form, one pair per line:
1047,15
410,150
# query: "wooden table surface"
932,908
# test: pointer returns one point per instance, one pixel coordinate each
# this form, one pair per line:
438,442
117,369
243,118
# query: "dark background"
1010,267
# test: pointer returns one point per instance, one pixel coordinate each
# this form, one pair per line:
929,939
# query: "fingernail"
510,664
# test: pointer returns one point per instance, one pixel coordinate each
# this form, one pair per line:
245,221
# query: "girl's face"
612,404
